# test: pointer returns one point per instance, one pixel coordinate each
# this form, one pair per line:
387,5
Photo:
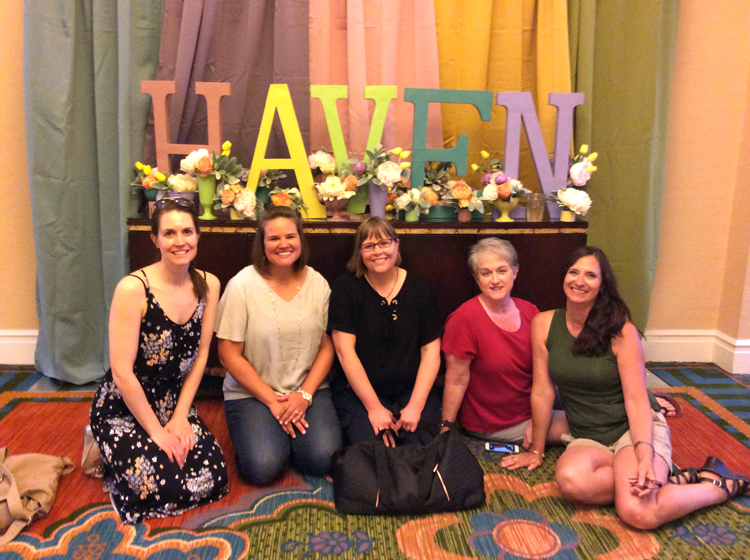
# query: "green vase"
206,194
439,213
412,215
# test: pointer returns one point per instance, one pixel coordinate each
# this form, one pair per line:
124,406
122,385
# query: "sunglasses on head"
176,201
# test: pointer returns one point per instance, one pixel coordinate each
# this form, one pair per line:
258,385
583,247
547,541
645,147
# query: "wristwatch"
305,395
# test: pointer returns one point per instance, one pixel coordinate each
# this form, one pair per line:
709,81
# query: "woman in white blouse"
272,341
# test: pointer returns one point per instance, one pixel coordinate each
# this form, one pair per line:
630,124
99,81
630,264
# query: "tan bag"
28,486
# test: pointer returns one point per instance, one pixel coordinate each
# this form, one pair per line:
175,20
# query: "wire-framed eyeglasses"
382,244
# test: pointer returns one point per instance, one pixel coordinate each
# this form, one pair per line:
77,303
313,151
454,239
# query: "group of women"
310,369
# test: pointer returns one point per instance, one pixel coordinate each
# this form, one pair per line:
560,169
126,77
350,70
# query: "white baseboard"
698,346
17,347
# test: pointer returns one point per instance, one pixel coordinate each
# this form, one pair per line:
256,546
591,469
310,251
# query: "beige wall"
700,277
17,263
704,259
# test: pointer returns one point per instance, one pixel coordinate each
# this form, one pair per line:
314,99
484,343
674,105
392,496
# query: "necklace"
389,293
278,328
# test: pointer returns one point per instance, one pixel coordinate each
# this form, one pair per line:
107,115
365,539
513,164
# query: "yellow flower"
226,146
584,148
236,188
591,168
404,164
139,166
405,154
592,156
485,154
147,170
225,153
474,166
159,176
396,151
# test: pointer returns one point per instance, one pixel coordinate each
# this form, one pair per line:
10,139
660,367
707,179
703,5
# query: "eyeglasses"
177,201
383,244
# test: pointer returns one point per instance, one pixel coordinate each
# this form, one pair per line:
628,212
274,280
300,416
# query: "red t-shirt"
499,392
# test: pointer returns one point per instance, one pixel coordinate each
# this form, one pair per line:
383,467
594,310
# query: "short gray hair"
498,247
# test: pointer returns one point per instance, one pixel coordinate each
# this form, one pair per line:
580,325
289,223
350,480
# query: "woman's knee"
260,468
637,513
572,484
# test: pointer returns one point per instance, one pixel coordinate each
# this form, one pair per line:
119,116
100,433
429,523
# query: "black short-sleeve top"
389,337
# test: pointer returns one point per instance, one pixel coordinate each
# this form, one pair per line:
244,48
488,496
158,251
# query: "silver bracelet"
653,451
537,452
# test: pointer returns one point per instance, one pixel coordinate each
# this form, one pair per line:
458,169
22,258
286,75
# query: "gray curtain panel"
621,58
83,61
248,43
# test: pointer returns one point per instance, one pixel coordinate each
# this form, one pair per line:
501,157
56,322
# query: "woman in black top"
386,333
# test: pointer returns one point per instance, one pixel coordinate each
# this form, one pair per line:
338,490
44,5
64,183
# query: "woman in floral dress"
160,459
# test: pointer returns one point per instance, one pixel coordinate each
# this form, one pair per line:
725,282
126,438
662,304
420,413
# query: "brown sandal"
685,476
92,463
715,466
671,400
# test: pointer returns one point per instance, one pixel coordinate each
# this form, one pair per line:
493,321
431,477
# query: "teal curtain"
621,57
85,120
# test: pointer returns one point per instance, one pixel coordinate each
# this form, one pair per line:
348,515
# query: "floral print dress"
139,477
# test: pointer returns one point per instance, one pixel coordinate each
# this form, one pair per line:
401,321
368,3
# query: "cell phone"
502,447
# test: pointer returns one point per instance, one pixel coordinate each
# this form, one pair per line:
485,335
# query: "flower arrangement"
490,165
322,163
242,199
412,201
461,196
287,197
225,168
148,178
380,169
571,199
580,167
503,188
269,178
334,188
436,177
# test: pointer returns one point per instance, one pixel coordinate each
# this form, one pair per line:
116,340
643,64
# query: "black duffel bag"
441,475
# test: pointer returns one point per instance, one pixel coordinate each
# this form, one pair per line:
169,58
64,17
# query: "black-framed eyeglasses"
177,201
383,244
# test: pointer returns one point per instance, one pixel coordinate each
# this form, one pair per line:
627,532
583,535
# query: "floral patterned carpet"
524,517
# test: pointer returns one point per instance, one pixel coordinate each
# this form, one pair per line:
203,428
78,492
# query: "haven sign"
520,110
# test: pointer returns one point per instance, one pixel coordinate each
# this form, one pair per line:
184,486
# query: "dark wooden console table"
437,251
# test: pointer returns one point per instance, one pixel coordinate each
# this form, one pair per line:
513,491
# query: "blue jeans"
263,449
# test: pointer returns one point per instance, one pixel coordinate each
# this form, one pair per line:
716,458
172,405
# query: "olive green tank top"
590,387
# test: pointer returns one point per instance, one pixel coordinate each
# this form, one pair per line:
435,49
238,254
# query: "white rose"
389,173
490,192
323,161
333,189
244,203
183,183
579,173
187,165
578,201
401,202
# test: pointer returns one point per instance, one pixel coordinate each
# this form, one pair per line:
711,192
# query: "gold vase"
505,206
567,216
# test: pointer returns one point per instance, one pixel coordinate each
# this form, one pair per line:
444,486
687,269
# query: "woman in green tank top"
619,448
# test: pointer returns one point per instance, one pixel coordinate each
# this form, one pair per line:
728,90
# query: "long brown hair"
609,313
260,262
164,205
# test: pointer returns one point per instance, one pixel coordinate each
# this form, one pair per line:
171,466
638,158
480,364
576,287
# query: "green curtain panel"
85,116
621,57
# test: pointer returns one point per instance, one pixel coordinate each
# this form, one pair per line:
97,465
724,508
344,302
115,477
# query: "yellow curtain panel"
502,45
